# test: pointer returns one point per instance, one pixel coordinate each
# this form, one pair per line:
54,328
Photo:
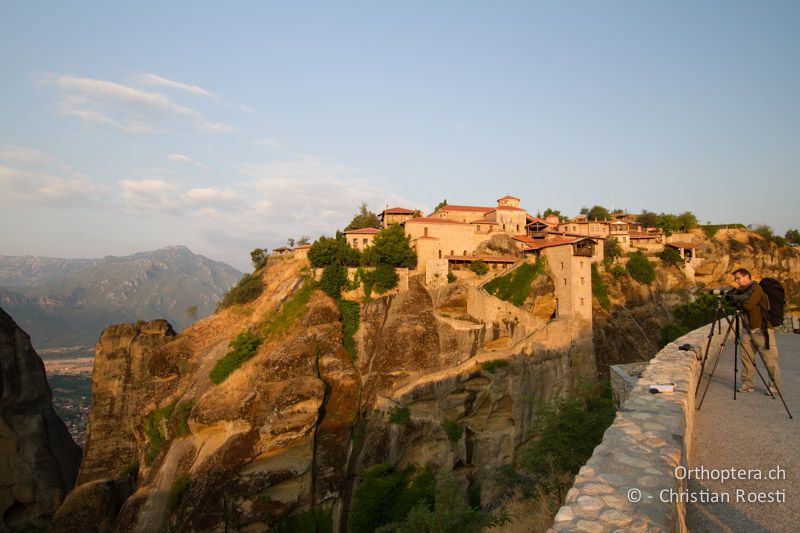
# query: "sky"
131,126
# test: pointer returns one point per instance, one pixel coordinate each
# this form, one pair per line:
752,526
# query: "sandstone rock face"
278,435
38,458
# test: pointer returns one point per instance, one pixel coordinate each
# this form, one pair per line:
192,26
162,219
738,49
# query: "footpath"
745,440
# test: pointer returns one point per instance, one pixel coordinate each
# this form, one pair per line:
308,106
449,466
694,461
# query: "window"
465,252
452,252
582,281
582,299
565,282
364,241
440,254
425,232
517,228
355,242
479,227
562,265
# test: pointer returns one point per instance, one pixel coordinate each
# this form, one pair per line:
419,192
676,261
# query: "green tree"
668,222
640,268
259,257
686,221
611,250
305,239
290,242
670,256
440,205
647,219
597,212
549,211
793,236
391,246
364,219
326,251
584,210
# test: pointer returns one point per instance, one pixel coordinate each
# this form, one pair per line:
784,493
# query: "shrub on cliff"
479,267
248,289
333,279
599,288
566,432
670,256
350,317
611,250
452,429
177,491
515,286
279,321
315,520
640,268
242,348
382,279
386,496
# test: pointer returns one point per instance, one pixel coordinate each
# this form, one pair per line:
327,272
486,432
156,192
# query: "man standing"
763,338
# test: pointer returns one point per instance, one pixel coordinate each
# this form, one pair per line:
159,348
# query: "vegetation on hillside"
690,316
279,321
668,222
242,348
670,256
600,289
515,286
415,500
640,268
155,431
177,491
479,267
611,250
248,289
566,433
391,246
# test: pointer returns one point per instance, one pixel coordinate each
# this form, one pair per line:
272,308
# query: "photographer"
763,338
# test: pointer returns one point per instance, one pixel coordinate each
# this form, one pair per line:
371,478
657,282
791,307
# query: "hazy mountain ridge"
30,270
71,309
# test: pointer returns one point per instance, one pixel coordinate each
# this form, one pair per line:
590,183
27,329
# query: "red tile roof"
478,208
524,238
507,208
362,231
553,242
398,211
434,220
534,220
508,198
484,258
682,244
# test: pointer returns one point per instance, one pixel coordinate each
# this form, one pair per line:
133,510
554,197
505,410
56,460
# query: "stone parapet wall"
631,472
624,378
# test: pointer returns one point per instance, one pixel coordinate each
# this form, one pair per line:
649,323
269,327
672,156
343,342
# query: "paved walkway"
753,432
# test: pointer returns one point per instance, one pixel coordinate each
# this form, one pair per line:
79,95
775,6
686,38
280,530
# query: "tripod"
735,324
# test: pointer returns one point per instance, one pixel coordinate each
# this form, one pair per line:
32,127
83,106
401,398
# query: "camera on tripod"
733,296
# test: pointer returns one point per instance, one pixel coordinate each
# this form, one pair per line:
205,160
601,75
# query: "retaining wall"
631,472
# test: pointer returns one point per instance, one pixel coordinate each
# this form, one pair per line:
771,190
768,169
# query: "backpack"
777,300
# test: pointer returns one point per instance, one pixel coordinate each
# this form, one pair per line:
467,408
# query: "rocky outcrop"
38,458
629,330
295,426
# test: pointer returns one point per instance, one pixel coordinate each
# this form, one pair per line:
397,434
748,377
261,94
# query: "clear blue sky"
230,126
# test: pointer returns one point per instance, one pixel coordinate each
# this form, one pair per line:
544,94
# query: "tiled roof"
681,244
398,211
534,220
362,231
478,208
524,238
553,242
508,198
507,208
485,258
434,220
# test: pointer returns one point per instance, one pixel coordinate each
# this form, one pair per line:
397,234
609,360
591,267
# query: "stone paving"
754,433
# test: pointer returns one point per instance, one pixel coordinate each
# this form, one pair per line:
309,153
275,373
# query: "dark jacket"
755,305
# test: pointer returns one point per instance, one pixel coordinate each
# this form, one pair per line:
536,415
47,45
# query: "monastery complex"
505,235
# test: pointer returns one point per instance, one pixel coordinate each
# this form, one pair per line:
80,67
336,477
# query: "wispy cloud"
270,143
160,81
186,159
25,155
25,187
123,107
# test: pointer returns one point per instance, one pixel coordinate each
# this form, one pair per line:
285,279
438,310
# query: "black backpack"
777,300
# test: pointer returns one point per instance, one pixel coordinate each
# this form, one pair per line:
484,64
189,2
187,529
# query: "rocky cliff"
296,425
628,331
38,458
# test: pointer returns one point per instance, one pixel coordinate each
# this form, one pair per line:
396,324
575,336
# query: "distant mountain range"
68,302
